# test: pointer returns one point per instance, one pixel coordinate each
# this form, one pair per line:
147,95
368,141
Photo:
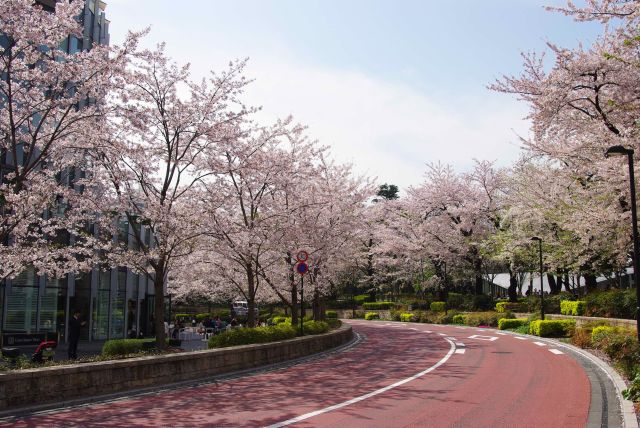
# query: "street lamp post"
535,238
621,151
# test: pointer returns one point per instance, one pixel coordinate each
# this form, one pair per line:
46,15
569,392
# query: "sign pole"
301,305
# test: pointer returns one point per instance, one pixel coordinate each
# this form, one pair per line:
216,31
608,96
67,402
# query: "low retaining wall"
63,383
583,320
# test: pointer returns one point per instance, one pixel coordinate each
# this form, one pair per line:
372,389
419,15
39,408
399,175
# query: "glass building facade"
116,303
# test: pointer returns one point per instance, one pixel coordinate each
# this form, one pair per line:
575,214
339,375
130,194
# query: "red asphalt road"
501,383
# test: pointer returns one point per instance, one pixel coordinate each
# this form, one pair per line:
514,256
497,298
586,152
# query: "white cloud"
388,130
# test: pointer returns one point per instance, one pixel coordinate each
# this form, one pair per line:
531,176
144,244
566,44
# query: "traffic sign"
302,268
302,256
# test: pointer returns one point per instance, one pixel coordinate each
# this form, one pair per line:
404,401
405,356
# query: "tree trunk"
567,285
513,287
158,304
553,286
251,301
590,282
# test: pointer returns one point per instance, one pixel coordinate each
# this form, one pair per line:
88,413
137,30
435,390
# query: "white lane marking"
413,328
450,338
556,351
442,334
428,331
540,343
460,351
520,338
460,344
369,395
478,337
501,334
460,327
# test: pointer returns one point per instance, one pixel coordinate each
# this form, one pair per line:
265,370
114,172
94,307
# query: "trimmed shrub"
459,319
202,317
280,319
438,306
476,319
507,323
568,307
407,317
504,307
245,336
377,305
361,298
371,316
124,346
315,327
331,314
181,316
552,328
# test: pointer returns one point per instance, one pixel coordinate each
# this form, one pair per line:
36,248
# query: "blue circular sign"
302,268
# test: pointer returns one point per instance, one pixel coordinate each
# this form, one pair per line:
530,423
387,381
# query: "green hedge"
407,317
182,316
245,336
568,307
315,327
503,307
279,319
124,346
361,298
202,317
331,314
459,319
377,305
507,323
438,306
552,328
489,318
371,316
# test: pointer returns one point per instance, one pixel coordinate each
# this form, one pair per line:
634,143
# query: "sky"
391,86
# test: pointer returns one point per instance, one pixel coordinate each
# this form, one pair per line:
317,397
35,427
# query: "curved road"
397,375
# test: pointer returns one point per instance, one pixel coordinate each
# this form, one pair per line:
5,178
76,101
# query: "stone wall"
583,320
62,383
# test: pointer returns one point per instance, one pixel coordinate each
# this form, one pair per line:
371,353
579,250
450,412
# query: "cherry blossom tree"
162,130
51,102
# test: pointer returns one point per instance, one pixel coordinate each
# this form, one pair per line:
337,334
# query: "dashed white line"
460,344
520,338
556,351
540,343
442,334
501,334
460,351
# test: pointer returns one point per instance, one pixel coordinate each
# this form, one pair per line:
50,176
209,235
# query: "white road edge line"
444,359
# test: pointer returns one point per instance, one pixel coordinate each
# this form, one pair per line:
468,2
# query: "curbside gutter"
48,387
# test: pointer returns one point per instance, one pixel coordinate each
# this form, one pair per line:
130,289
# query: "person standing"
75,324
